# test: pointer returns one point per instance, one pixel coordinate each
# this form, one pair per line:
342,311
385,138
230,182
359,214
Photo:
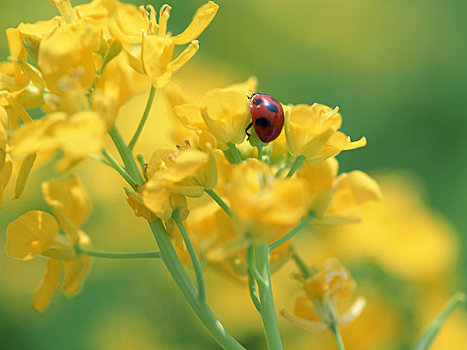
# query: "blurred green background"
397,71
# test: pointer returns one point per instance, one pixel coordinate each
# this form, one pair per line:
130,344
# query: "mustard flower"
37,233
264,206
174,175
334,198
77,136
316,306
225,113
152,52
311,132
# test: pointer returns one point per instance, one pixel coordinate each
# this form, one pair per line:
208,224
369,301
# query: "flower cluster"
79,69
242,200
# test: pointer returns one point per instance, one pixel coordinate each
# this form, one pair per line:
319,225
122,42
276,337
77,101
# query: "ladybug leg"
248,128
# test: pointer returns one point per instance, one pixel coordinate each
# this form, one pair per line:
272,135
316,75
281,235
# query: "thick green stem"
130,163
268,310
219,201
293,232
202,310
115,255
337,336
147,109
114,164
193,257
297,164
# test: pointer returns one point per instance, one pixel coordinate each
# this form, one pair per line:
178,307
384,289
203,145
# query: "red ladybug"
267,117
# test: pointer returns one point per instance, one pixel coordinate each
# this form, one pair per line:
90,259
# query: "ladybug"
267,117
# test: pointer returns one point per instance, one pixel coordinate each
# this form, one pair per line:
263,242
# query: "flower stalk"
201,308
268,310
118,255
147,109
193,257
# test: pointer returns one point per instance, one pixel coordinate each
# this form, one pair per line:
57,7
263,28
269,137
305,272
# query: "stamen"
152,15
164,15
65,9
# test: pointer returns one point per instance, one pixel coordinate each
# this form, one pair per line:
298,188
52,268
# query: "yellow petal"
157,198
67,54
37,136
360,186
70,195
354,311
26,167
81,135
312,326
135,200
190,116
156,54
76,269
185,163
201,20
177,63
115,87
30,235
226,114
47,287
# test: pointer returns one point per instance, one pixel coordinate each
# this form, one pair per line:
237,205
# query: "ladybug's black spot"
272,108
257,101
262,122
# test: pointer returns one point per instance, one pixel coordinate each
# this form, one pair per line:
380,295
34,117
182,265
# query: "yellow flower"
152,53
335,198
174,175
311,132
225,113
37,233
316,306
264,206
66,57
77,136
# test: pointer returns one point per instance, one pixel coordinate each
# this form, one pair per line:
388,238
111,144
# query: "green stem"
130,164
302,266
114,164
219,201
193,257
142,164
253,292
293,232
268,310
147,109
337,336
297,164
430,334
202,310
115,255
